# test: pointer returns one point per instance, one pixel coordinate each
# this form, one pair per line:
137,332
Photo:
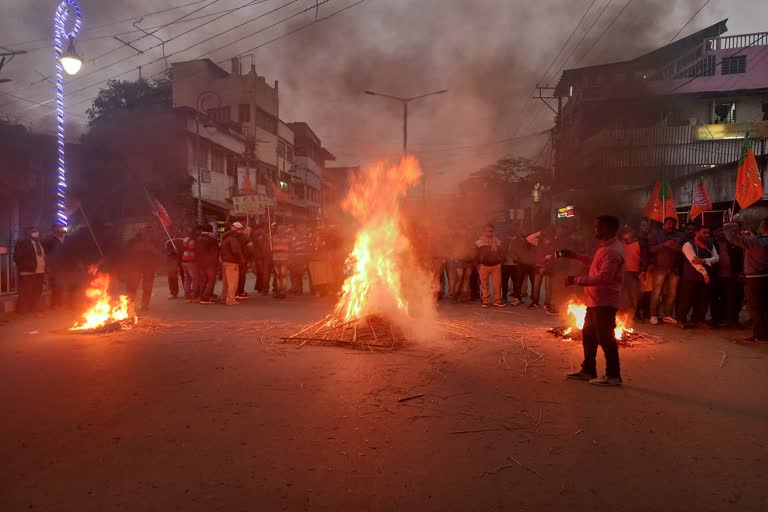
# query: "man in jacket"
665,246
525,260
244,237
191,269
756,273
173,249
231,258
602,292
727,291
207,253
139,254
488,258
262,259
29,256
53,246
545,241
695,283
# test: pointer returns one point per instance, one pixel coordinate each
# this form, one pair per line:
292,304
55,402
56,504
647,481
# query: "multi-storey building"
680,112
309,164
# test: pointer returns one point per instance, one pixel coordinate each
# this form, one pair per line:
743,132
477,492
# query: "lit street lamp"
70,62
405,102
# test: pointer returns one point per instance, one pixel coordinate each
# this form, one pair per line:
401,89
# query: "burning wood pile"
104,314
577,313
375,307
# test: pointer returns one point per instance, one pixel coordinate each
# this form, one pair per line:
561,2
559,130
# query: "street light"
405,102
70,62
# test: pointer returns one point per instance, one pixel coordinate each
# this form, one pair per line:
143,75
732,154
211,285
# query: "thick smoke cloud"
489,54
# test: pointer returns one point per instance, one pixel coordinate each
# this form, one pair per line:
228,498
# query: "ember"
104,314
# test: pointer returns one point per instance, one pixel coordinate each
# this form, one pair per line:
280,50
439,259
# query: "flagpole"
87,223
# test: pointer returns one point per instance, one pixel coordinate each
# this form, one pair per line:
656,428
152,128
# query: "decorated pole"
65,61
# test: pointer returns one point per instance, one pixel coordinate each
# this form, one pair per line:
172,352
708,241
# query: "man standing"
173,249
665,246
281,253
727,292
756,272
29,257
602,293
488,257
53,246
509,268
207,253
231,258
246,245
139,257
189,264
695,290
635,266
262,259
544,241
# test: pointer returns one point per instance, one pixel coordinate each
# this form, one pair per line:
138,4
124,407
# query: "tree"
122,95
136,142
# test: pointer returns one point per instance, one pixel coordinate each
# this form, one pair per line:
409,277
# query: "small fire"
382,251
103,310
577,313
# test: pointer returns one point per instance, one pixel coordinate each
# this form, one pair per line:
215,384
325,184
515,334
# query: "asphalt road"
202,408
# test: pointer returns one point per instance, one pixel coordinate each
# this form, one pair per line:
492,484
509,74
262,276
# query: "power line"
607,28
70,93
220,62
584,36
562,49
113,23
690,20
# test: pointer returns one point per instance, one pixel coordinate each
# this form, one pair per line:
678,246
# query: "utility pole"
405,102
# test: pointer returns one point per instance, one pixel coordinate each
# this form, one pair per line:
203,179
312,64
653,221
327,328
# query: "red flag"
701,202
162,214
749,186
661,203
247,186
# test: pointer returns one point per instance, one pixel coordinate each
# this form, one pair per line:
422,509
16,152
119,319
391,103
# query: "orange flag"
701,202
749,187
661,203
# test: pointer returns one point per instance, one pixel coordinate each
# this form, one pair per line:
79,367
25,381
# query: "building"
334,187
308,170
680,112
214,150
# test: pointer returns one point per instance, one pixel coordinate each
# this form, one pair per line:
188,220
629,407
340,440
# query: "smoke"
489,54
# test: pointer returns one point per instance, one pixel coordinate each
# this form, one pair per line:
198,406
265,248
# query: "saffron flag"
158,210
701,202
749,186
279,194
661,203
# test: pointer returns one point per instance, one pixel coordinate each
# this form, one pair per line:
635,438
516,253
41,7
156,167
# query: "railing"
737,41
7,272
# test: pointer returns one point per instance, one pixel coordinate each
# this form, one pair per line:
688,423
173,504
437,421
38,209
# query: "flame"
381,248
103,310
577,313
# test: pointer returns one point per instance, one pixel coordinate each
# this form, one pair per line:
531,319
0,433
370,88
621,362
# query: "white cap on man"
238,225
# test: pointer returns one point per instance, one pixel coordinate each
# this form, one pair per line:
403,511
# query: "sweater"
604,284
755,250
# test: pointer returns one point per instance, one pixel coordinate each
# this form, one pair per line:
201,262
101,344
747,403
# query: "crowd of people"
282,260
694,277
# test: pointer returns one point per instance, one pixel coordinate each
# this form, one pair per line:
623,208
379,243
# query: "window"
289,156
244,113
704,67
220,114
265,121
734,65
205,176
723,113
218,161
281,149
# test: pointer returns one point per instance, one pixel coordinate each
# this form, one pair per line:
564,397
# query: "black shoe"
581,375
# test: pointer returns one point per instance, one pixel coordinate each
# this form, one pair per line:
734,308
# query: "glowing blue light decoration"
60,33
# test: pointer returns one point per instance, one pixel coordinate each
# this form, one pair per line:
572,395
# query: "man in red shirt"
603,289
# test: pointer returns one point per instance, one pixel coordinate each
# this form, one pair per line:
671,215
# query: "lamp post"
70,62
405,102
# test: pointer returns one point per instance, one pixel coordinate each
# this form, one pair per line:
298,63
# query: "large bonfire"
104,313
387,295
